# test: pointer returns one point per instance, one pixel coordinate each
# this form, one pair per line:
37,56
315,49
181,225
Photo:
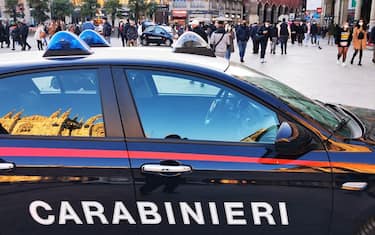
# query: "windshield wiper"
342,123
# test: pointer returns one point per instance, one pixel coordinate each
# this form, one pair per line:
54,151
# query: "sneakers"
262,61
343,64
338,62
242,61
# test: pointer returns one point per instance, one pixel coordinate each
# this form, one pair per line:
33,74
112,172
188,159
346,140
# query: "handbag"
361,35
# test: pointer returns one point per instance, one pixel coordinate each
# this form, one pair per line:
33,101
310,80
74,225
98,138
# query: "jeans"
313,39
283,43
227,54
242,48
263,47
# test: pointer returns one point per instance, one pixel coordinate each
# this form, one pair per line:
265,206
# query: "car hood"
367,117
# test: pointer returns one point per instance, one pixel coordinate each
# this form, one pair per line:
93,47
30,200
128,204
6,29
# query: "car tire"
368,228
168,42
144,42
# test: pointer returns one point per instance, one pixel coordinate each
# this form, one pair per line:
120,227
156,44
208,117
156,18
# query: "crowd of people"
219,35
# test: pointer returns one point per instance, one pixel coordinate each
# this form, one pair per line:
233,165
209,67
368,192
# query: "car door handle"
165,169
7,166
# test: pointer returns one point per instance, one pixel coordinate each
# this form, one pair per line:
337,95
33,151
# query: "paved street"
311,71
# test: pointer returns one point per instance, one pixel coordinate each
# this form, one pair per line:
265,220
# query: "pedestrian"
314,33
24,33
121,32
39,36
2,33
306,32
343,39
301,30
196,28
274,38
107,30
88,24
132,34
284,34
293,29
7,33
243,36
52,28
15,34
331,32
263,36
232,36
253,34
359,41
372,40
220,40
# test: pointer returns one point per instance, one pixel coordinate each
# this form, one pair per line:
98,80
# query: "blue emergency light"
93,38
65,43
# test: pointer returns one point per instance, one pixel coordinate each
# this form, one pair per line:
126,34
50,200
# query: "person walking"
293,29
132,34
220,40
2,33
121,32
232,36
343,39
243,36
7,33
107,30
263,36
372,40
301,29
284,34
88,24
39,35
359,41
15,34
274,38
253,34
196,28
24,33
314,33
331,32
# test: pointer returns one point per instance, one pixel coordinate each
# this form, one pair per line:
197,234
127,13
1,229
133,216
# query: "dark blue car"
149,141
156,34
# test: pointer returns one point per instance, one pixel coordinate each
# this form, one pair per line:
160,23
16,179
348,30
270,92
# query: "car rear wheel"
368,228
168,42
144,42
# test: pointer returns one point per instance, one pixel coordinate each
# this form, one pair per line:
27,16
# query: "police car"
151,141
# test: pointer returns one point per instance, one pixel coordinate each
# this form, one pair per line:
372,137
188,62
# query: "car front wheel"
144,42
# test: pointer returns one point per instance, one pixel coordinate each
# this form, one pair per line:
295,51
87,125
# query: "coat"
359,43
220,46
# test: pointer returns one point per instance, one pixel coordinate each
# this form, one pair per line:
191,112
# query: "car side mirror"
293,139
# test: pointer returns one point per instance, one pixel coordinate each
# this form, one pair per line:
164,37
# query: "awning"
179,14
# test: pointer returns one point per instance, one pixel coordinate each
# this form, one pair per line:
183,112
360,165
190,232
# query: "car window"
149,29
159,30
172,105
57,103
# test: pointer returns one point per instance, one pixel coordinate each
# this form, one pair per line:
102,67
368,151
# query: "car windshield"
307,107
168,29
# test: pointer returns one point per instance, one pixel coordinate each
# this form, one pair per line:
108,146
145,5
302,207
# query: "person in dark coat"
2,33
301,30
253,34
263,35
132,34
107,30
284,34
15,33
7,32
24,33
273,38
314,33
243,36
293,29
196,28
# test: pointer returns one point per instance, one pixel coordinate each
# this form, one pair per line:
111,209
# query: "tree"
40,10
111,8
11,8
89,7
137,8
61,8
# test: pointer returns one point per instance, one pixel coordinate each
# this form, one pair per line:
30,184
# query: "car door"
204,161
64,167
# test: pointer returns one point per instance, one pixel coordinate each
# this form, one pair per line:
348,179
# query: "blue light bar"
65,43
93,38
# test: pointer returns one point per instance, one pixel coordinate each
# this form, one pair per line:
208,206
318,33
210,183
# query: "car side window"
172,105
54,103
159,30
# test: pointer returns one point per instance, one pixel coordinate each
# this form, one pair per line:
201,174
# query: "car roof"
116,55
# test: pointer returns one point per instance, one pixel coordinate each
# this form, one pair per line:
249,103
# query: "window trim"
110,112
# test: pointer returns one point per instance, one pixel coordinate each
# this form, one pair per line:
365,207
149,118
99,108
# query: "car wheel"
144,42
168,42
368,228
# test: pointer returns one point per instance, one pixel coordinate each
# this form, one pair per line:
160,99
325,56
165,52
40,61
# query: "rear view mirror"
292,140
